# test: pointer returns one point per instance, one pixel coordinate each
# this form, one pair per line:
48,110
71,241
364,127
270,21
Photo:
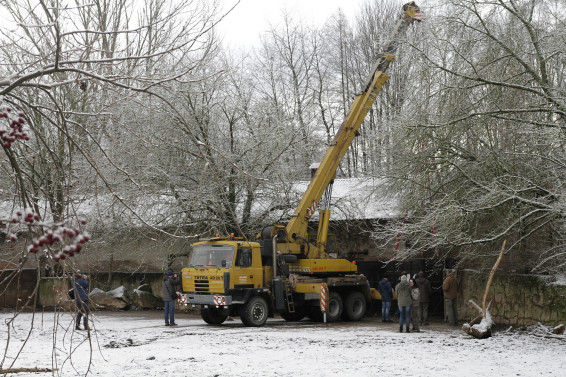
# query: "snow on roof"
352,199
360,199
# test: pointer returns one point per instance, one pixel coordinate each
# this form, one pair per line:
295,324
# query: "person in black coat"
168,288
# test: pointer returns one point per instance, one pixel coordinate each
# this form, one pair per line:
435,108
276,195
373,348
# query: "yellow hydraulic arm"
296,229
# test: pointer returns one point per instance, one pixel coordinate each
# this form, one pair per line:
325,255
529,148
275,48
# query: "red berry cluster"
69,239
30,217
16,130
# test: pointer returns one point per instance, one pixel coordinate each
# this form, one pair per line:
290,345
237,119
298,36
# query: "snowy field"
137,344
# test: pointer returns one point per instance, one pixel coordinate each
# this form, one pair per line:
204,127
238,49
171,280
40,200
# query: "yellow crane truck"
284,271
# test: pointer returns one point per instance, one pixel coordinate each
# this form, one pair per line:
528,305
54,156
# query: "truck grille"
201,286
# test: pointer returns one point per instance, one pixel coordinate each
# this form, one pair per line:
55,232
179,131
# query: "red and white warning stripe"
312,208
182,298
323,297
219,300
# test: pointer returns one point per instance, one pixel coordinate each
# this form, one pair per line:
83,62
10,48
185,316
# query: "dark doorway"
432,268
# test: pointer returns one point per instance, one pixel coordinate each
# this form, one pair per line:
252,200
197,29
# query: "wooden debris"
26,370
480,327
543,331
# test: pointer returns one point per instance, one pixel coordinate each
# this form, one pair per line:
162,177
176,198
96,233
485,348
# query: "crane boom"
296,229
284,272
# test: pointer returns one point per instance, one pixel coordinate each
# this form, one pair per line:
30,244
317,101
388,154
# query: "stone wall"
517,299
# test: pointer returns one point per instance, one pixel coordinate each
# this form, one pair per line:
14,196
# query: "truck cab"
224,273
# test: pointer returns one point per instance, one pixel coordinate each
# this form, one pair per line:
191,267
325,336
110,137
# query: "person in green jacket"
404,301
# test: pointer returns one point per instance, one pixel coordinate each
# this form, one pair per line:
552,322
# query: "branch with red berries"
15,129
62,239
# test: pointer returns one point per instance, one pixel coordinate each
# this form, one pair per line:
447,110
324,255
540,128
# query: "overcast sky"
251,17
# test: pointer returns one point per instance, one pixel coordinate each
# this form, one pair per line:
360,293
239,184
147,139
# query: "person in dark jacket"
386,291
425,291
415,296
169,287
80,285
450,289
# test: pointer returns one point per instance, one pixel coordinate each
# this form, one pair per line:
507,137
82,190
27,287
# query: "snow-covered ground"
137,344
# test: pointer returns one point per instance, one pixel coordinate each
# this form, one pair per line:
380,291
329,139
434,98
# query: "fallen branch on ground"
480,327
26,370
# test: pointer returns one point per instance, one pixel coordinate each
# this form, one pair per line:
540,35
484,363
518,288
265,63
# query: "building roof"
352,199
359,199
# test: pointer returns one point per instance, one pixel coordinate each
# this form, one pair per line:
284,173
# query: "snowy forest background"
137,109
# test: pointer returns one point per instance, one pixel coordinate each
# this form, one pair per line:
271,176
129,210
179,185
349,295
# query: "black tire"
335,307
354,306
299,314
213,316
255,312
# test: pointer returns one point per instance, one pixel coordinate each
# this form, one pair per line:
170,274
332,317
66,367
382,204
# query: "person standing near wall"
81,300
403,290
415,310
386,292
168,289
450,289
425,291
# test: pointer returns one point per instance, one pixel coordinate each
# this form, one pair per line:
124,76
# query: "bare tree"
480,153
73,71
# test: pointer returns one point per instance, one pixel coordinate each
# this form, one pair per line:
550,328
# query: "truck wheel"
255,312
299,314
335,307
213,316
354,306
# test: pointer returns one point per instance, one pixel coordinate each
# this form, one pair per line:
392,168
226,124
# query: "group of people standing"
413,297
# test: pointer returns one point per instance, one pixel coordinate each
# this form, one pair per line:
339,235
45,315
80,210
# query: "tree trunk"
480,327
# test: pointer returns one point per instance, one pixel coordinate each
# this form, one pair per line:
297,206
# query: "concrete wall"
517,299
17,287
107,282
134,250
53,292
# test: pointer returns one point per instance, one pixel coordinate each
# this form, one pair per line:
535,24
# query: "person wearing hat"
170,282
404,301
80,284
425,290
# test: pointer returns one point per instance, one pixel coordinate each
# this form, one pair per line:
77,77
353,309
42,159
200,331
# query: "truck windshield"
212,256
